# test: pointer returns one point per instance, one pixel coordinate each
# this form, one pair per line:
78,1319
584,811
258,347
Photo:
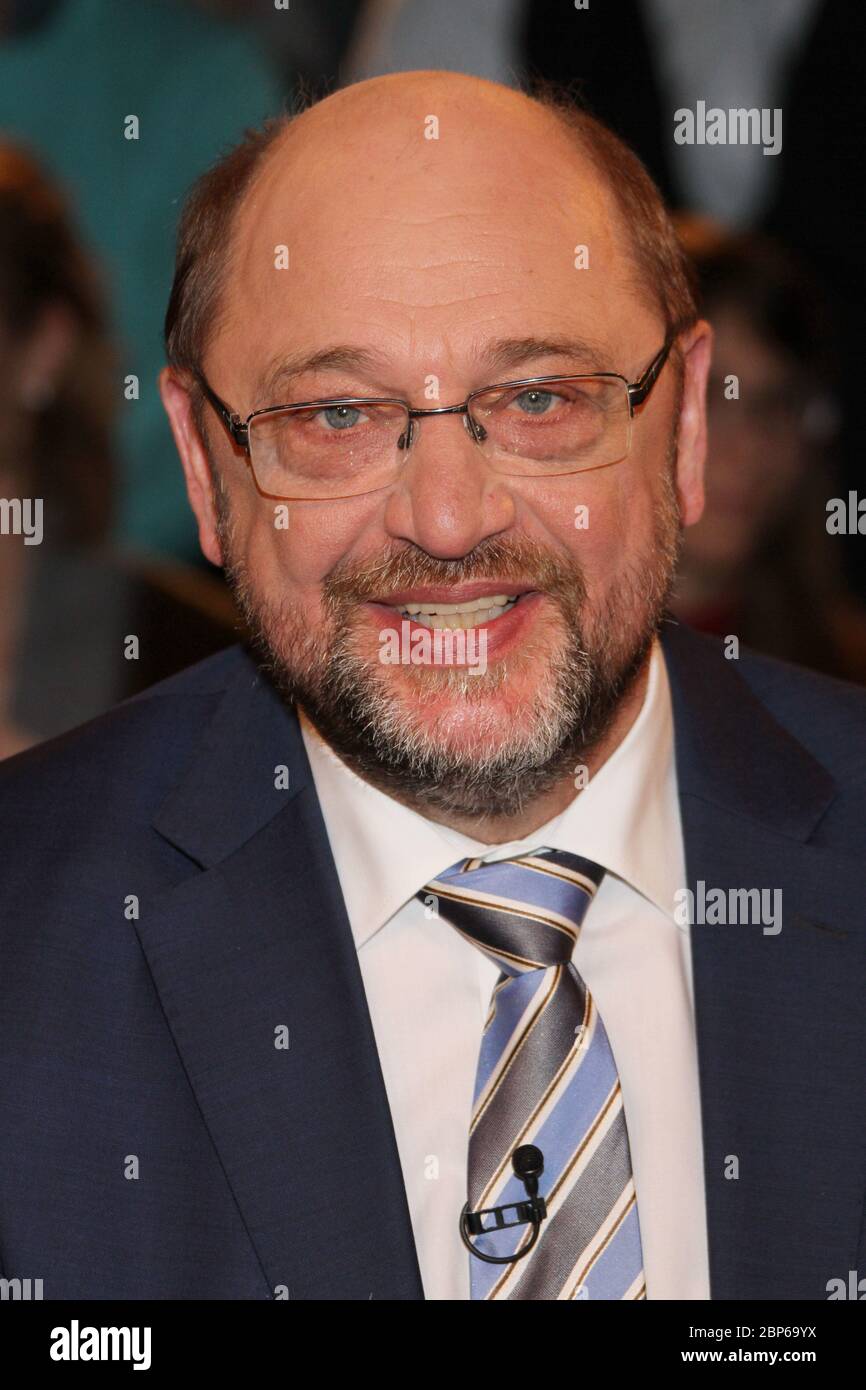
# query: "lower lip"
502,632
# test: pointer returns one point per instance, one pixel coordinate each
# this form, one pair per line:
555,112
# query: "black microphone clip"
528,1165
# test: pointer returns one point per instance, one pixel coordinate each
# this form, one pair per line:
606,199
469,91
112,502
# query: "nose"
448,499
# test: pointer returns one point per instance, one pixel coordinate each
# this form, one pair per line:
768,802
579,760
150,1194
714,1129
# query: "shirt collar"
626,818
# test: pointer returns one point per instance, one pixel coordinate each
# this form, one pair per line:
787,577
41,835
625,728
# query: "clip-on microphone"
528,1165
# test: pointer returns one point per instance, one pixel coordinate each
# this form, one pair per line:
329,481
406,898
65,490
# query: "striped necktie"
546,1076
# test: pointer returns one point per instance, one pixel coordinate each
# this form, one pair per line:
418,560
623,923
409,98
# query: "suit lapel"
778,1015
256,947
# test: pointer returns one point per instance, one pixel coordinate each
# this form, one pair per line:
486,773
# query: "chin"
452,722
473,717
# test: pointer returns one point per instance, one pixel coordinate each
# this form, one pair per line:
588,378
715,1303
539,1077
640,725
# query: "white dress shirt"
428,989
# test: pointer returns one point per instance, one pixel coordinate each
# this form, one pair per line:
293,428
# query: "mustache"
516,563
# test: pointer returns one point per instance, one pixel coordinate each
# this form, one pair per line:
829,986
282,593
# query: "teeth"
473,605
459,615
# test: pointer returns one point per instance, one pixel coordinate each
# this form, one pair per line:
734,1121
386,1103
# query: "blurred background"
108,111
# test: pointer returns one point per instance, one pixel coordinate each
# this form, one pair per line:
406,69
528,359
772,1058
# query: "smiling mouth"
473,613
470,613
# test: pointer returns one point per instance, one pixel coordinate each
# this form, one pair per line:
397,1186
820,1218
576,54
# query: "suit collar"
730,750
249,766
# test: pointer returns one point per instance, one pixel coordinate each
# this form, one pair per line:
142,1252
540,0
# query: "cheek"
289,548
601,517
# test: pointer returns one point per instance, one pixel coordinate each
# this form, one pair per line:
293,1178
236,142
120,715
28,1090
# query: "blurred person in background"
760,563
124,104
70,603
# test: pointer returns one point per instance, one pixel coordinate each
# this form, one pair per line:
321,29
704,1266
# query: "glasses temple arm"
233,423
640,389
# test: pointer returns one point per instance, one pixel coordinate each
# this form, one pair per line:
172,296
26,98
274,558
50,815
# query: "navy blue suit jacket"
146,1044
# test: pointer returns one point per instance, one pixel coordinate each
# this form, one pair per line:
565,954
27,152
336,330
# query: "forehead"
367,230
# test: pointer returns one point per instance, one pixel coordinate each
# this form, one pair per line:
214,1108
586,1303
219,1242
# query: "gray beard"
346,693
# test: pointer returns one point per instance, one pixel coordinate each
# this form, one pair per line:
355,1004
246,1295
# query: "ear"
177,401
696,351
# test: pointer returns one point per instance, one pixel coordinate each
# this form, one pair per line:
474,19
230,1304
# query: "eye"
339,417
534,401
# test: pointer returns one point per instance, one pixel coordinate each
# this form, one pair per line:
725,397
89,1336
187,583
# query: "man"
305,966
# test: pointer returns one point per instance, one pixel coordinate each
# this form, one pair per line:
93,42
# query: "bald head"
421,168
414,200
388,123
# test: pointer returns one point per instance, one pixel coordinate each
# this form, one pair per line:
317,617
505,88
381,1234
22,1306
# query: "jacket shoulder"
825,715
151,736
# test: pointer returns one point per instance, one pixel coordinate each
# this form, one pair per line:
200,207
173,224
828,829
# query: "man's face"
428,253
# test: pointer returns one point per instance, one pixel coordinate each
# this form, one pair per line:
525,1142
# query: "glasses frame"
238,428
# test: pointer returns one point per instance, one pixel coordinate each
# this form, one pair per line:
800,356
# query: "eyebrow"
511,352
287,367
497,356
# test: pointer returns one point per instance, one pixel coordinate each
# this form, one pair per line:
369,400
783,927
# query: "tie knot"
523,913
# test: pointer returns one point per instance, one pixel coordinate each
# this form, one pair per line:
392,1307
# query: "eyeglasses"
345,446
